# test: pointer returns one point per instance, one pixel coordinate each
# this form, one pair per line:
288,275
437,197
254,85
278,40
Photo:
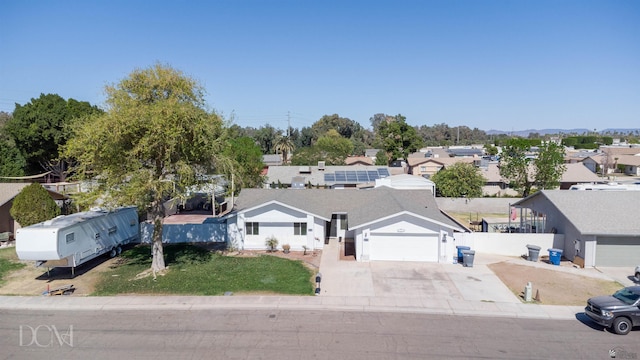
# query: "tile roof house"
601,228
376,224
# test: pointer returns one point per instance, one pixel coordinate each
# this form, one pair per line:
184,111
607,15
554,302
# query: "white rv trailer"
606,187
71,240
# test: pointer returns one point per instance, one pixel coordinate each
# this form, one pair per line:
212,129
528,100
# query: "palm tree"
286,146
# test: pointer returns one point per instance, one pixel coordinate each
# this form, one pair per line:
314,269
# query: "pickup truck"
619,312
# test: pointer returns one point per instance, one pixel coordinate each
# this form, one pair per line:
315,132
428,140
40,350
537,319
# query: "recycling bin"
554,256
534,252
467,258
460,249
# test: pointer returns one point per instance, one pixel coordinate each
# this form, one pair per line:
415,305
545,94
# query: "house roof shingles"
612,213
363,206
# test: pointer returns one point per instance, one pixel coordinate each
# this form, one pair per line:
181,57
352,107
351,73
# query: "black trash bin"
534,252
467,258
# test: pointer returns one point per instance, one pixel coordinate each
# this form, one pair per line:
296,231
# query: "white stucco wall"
276,220
508,244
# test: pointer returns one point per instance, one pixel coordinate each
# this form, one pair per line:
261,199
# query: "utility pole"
288,123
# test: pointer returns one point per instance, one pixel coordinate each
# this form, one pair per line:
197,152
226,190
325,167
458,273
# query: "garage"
403,247
618,251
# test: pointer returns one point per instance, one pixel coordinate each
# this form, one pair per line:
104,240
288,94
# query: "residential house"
334,177
601,228
377,224
8,191
631,164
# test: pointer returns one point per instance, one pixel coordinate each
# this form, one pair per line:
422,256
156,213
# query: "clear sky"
502,64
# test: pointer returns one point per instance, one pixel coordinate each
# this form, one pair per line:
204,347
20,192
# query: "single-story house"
631,164
335,177
601,228
376,224
8,191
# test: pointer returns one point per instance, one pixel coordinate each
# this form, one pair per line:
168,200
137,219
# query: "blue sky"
508,65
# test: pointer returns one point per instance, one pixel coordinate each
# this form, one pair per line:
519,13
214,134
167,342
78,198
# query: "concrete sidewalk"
305,303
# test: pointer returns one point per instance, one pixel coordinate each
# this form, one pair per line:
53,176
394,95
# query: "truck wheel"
638,276
119,250
113,253
622,326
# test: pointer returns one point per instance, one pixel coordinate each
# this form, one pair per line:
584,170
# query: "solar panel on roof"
340,176
383,172
329,178
373,175
351,176
362,176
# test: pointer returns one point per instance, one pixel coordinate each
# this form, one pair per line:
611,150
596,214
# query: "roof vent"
321,165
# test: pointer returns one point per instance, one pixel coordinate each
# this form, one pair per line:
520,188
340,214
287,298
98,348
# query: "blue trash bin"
460,248
554,256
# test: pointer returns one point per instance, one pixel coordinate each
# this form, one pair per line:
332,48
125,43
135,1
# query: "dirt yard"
553,287
31,280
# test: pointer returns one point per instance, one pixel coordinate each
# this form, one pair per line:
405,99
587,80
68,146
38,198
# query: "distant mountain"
525,133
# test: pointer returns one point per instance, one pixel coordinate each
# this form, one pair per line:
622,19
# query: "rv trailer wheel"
113,253
119,250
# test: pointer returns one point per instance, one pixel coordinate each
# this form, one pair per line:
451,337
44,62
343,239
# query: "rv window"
97,236
70,238
113,230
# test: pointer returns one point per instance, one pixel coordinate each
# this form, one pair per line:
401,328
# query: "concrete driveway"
394,279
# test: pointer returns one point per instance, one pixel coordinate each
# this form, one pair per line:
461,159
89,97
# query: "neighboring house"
495,185
8,191
376,224
601,228
407,182
359,160
465,151
272,160
577,174
334,177
427,167
631,164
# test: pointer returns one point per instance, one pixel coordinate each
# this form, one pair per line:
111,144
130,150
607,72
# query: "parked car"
619,312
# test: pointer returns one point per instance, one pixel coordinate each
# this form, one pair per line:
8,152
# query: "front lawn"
195,271
8,261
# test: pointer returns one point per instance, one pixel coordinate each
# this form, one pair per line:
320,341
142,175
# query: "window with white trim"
299,228
253,228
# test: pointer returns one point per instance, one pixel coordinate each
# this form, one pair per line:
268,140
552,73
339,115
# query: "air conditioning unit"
321,165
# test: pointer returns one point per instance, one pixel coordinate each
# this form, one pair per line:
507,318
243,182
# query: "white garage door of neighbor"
405,247
618,251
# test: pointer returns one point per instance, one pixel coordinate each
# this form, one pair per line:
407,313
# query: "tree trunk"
157,264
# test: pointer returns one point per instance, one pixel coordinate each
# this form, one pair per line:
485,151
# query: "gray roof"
362,206
594,212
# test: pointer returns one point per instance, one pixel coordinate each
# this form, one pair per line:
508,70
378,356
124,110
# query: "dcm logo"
45,336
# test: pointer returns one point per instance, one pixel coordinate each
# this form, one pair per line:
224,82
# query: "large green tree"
346,127
153,142
331,148
398,138
39,127
248,155
33,205
514,165
549,166
459,180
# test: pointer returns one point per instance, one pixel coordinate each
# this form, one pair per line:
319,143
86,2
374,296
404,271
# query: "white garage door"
404,247
618,251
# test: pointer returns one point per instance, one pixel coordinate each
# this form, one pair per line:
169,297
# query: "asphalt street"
293,334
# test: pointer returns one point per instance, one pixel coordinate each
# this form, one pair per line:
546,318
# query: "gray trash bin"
534,252
467,258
